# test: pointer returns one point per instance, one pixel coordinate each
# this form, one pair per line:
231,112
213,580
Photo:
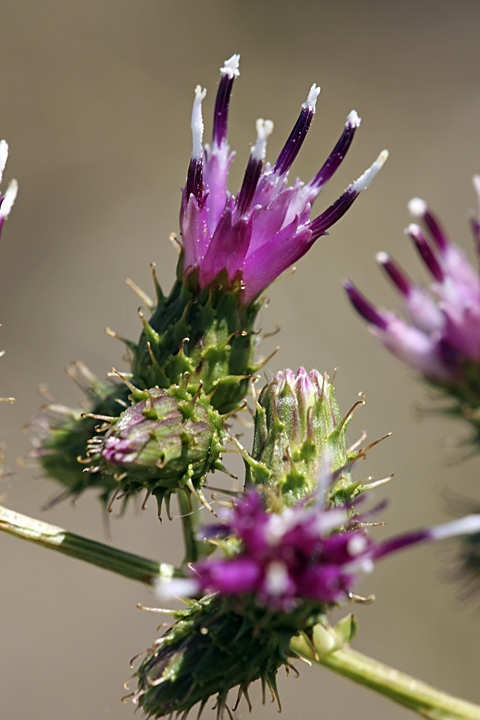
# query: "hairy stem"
123,563
403,689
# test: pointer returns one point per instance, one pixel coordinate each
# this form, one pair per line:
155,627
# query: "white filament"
364,180
197,123
264,129
230,67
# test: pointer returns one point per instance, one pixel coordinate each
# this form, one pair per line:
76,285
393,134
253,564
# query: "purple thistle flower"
443,332
254,237
7,200
301,554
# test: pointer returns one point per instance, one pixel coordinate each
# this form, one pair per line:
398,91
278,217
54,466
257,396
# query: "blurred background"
96,99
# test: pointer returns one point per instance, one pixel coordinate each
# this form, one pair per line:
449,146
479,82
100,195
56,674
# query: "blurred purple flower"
7,200
261,232
444,328
301,554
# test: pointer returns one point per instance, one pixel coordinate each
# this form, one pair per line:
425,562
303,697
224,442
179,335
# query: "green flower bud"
214,646
61,434
298,432
167,439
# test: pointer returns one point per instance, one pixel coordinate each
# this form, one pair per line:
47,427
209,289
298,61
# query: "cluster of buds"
232,248
294,543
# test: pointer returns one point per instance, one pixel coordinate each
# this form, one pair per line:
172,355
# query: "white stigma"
3,156
230,67
364,180
417,207
9,199
356,545
465,526
167,588
382,258
276,578
353,119
197,123
311,100
413,229
264,129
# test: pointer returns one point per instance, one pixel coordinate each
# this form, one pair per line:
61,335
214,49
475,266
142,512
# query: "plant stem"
399,687
123,563
185,502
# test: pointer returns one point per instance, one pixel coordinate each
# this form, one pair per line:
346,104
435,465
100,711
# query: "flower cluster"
305,553
442,336
254,237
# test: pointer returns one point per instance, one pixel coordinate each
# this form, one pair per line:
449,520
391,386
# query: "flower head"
303,554
443,332
252,238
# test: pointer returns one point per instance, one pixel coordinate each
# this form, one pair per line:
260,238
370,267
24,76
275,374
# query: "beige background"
95,103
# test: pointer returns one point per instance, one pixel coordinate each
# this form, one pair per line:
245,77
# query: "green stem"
399,687
123,563
187,512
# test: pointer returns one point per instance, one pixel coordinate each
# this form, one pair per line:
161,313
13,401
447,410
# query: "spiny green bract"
300,434
165,440
61,435
207,334
216,644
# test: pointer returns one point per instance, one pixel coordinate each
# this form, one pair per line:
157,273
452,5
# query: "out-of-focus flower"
442,338
247,241
7,200
299,555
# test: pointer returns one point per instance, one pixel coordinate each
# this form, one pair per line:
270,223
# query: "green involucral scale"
209,335
166,439
215,645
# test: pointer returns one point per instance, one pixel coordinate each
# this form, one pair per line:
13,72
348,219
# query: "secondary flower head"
301,554
443,332
252,238
7,200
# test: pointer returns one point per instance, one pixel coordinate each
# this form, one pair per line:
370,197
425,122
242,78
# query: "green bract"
165,440
300,434
215,645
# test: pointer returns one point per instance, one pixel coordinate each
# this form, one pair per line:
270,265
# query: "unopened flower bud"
165,440
299,433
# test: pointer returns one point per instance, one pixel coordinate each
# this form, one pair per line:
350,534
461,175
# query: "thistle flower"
298,426
283,572
248,241
442,338
302,554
